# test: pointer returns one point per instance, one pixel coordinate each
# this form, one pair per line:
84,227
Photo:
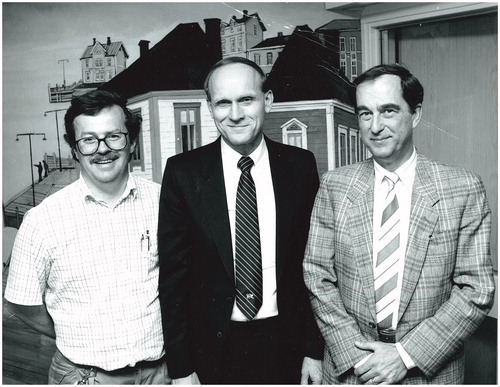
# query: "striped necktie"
247,242
386,266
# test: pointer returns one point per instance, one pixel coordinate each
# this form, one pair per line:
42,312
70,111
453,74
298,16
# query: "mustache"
111,156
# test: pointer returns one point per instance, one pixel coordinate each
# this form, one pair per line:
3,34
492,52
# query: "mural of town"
311,108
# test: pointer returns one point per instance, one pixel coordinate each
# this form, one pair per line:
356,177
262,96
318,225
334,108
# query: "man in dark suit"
234,305
398,258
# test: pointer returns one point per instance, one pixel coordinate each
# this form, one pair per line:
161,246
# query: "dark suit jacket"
448,284
197,285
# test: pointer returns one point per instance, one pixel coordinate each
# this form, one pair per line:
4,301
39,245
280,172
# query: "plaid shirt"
96,273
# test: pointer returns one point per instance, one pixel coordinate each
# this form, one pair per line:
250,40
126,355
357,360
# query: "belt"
387,335
129,369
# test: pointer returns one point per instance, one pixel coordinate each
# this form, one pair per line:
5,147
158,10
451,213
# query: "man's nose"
377,124
236,112
103,147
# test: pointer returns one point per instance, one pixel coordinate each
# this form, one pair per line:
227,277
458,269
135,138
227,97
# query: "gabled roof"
307,69
180,61
341,25
247,17
110,49
273,42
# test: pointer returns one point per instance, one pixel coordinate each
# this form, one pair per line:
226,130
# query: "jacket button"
219,335
229,299
372,325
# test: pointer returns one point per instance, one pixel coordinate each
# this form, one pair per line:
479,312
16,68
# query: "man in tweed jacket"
444,275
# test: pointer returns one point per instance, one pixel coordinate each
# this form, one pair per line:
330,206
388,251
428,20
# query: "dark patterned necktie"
386,268
248,256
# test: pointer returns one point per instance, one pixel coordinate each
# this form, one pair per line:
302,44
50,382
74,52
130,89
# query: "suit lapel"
282,178
213,197
423,219
360,222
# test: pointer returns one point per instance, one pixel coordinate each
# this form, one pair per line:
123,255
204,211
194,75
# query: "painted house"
172,102
266,52
241,34
346,39
170,96
311,98
328,128
101,62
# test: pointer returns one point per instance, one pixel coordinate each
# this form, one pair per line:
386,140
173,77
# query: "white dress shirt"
403,188
261,174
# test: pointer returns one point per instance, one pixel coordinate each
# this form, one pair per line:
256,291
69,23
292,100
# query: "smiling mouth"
103,161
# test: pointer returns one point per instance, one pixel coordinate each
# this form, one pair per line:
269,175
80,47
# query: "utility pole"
64,74
57,131
31,159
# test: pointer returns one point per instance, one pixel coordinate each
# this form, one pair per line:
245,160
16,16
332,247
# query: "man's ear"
133,145
268,100
209,104
417,115
73,153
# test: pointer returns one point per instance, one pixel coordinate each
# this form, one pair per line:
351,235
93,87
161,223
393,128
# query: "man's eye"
388,113
113,136
89,140
247,100
364,116
222,104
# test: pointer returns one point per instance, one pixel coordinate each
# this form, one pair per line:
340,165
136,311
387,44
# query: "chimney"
108,41
143,47
212,33
94,42
280,34
245,12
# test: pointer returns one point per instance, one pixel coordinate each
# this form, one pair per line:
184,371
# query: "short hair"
232,60
91,104
413,91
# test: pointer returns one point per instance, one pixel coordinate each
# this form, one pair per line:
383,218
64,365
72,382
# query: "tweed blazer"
448,284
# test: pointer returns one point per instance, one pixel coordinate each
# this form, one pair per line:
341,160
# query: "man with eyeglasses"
84,267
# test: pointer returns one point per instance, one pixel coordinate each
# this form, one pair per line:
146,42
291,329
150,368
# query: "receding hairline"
225,65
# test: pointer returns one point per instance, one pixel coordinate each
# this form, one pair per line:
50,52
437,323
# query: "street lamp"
57,130
31,159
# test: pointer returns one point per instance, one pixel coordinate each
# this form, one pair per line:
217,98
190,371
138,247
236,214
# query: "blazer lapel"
282,181
360,223
423,220
213,197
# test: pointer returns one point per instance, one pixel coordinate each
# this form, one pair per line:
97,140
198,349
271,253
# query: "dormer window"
294,133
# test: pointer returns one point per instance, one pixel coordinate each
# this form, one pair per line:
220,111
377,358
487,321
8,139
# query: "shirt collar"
231,157
405,172
88,196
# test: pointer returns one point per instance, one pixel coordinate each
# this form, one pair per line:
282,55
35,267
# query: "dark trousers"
251,356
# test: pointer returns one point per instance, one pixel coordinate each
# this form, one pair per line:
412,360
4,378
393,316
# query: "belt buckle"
387,335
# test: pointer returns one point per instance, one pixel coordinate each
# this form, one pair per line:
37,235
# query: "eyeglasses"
114,141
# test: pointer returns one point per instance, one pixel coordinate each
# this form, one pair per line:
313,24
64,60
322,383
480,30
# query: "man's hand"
191,379
385,366
311,370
